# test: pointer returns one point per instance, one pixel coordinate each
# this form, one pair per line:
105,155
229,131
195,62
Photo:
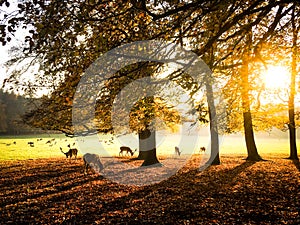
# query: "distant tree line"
12,107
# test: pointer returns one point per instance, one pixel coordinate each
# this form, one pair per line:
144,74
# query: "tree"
238,38
248,126
282,42
246,45
292,125
43,39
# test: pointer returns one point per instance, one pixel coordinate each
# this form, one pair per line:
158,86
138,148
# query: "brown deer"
202,149
31,143
70,153
177,151
92,161
127,150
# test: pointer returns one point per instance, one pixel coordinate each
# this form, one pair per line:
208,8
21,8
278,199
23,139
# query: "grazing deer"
202,149
31,143
127,150
71,152
92,161
177,151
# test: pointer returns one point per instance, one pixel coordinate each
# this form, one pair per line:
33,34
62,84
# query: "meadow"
45,146
48,146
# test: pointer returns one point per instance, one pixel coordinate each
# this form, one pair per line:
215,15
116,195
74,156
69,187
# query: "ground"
55,191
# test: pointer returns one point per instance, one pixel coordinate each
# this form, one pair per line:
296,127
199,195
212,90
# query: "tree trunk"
142,147
292,125
292,136
249,138
248,126
214,136
147,146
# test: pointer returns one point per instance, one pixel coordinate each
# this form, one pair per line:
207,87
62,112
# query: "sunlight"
276,77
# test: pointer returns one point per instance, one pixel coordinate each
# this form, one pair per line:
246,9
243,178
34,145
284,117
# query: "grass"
230,145
17,148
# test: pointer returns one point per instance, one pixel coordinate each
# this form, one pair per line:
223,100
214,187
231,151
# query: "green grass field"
17,147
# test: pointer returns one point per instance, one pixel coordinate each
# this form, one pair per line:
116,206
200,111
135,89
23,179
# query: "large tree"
295,26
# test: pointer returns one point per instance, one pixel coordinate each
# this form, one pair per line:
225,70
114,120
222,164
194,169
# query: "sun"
276,77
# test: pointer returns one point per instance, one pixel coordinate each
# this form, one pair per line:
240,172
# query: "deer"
92,161
71,152
177,151
31,143
127,150
202,149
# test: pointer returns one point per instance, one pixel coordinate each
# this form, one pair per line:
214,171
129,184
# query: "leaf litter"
55,191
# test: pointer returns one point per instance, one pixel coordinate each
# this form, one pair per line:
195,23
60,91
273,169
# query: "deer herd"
93,160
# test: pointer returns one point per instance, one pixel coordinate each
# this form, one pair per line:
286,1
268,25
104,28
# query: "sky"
4,56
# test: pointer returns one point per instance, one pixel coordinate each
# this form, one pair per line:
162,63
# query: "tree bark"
249,138
147,146
248,126
292,125
214,136
142,147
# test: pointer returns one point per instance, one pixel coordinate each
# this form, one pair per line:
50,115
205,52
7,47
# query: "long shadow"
37,177
12,170
231,174
57,189
50,201
190,195
227,175
177,190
